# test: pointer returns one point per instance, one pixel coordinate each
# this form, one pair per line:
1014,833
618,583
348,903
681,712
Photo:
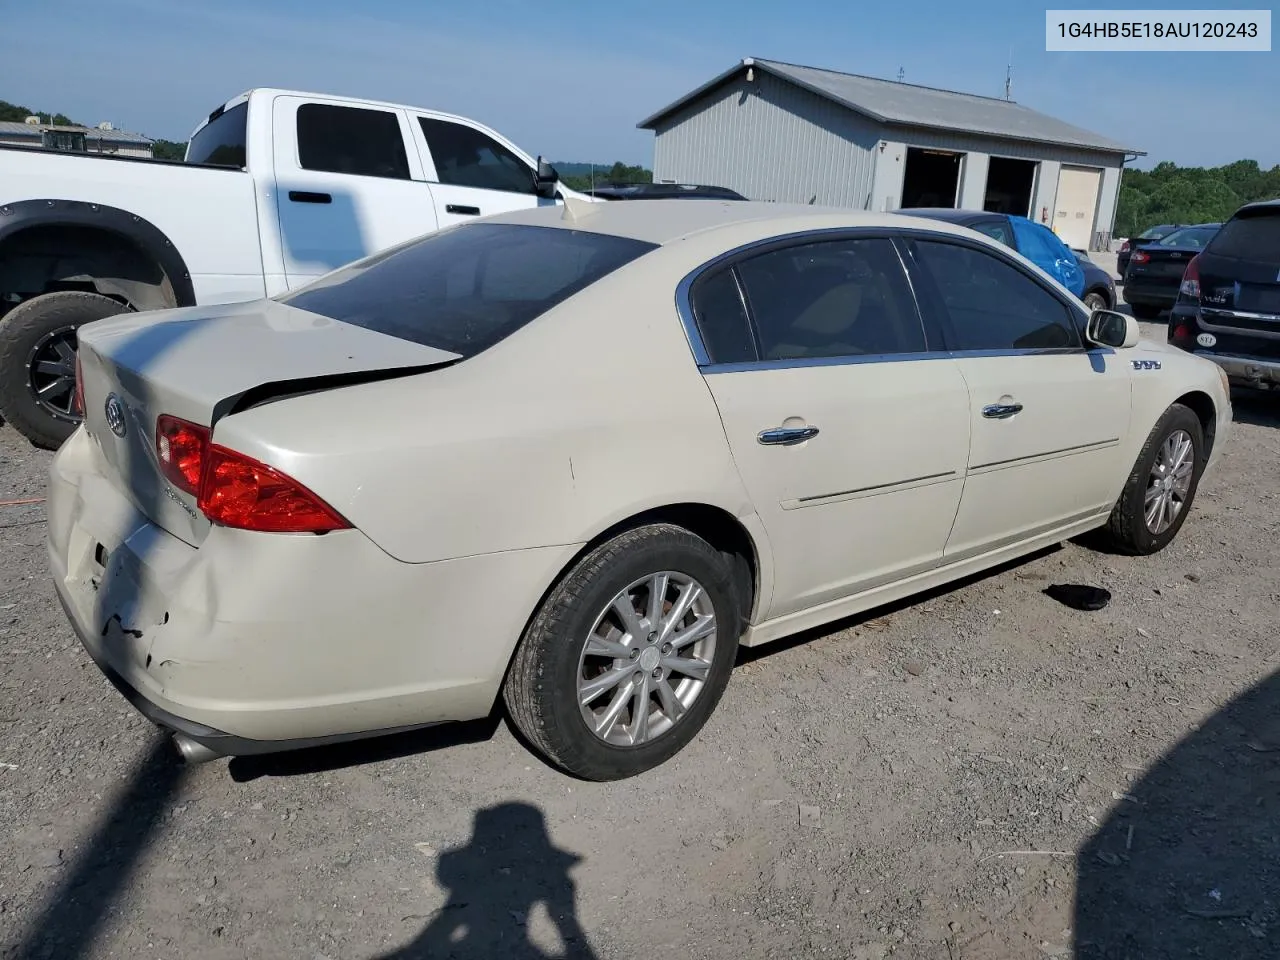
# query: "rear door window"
835,298
997,230
1249,237
351,140
468,287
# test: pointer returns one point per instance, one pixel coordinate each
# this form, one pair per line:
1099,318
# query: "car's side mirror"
545,179
1107,328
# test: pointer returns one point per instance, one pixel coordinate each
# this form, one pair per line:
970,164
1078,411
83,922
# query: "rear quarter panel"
594,412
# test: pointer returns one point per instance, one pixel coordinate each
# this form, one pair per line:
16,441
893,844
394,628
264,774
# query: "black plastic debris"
1078,596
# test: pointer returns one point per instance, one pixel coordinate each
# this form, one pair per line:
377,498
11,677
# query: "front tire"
1096,300
628,655
37,362
1160,490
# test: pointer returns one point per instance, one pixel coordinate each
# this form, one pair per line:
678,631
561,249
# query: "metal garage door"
1077,201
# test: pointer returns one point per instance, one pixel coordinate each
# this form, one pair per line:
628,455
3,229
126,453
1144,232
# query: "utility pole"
1008,76
901,73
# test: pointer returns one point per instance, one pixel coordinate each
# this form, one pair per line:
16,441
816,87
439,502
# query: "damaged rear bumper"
254,643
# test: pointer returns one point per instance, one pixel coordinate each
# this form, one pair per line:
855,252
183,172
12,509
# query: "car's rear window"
467,287
1253,236
1189,237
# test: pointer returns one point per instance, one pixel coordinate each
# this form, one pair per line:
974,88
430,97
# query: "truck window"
465,157
351,140
221,140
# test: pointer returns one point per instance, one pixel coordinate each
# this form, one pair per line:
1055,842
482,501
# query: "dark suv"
1228,306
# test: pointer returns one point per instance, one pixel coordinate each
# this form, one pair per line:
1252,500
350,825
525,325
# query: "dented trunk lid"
198,363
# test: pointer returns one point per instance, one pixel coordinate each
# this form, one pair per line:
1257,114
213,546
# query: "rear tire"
639,672
37,362
1156,479
1145,311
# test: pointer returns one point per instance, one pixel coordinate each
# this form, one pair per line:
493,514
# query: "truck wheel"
38,362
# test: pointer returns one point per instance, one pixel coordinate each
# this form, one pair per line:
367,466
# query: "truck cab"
277,188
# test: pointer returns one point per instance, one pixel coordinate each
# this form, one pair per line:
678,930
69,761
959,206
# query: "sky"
570,80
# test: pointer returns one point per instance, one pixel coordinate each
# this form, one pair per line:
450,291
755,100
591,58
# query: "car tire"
553,671
43,327
1097,300
1145,311
1154,481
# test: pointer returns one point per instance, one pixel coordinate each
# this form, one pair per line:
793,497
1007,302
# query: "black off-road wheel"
1162,486
628,655
38,362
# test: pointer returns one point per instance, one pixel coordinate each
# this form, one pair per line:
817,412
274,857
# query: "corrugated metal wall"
770,140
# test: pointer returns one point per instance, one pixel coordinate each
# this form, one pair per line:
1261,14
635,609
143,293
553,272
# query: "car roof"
950,214
667,220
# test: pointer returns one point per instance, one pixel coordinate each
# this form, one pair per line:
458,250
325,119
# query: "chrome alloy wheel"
1169,482
646,659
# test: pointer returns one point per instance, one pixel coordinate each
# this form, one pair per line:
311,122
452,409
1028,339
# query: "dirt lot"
982,773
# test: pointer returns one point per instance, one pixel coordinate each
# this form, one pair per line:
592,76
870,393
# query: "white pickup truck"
277,189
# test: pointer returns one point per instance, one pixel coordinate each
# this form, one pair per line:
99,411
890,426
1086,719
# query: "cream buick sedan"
572,458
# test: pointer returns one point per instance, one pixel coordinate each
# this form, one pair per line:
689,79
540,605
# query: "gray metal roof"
906,104
14,128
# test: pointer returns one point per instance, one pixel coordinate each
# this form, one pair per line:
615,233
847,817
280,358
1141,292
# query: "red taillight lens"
238,491
1140,256
1181,332
77,403
1190,287
181,447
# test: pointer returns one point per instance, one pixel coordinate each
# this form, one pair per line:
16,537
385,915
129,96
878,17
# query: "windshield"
1195,238
467,287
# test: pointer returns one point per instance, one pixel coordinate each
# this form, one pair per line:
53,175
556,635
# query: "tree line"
1169,193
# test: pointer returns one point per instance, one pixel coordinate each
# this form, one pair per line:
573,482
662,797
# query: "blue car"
1038,244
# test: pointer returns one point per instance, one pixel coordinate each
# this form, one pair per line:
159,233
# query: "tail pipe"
192,751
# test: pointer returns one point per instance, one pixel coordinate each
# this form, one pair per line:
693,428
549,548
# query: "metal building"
787,133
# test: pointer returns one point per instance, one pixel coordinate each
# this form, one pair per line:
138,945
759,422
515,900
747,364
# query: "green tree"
168,150
1168,193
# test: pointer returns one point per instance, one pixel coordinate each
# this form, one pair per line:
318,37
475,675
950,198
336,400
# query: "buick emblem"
113,409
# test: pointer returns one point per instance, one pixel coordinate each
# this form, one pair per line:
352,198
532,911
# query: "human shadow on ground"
76,909
494,883
1188,864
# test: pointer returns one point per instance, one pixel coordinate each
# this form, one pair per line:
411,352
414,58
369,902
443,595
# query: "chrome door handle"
1001,411
786,436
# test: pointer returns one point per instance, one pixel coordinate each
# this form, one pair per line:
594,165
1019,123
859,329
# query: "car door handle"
461,208
786,436
306,196
1001,411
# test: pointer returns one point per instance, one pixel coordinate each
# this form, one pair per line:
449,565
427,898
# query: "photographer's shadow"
495,882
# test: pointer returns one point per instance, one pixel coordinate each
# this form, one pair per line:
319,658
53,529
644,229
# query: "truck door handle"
306,196
1001,411
786,436
461,208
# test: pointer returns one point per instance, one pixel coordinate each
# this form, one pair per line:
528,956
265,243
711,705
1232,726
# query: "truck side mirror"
545,179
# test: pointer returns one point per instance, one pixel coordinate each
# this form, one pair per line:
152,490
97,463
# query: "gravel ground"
981,773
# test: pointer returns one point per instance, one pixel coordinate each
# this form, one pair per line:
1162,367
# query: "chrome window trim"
684,305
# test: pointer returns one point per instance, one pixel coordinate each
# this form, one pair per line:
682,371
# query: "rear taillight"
181,447
238,491
77,402
1190,287
1140,256
235,490
1180,332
